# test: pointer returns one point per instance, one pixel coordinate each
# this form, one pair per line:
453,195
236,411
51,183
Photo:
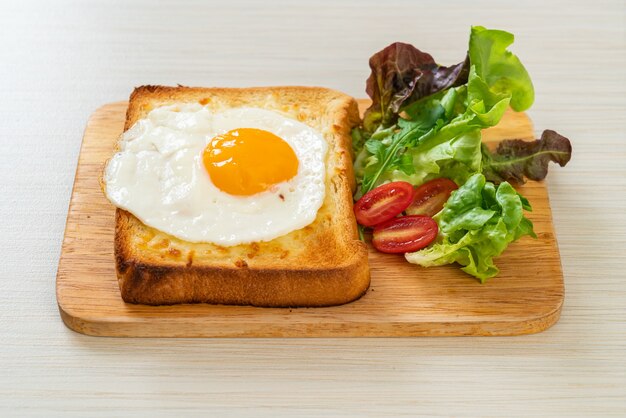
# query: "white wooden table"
61,60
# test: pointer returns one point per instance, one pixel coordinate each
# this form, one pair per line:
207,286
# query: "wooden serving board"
403,299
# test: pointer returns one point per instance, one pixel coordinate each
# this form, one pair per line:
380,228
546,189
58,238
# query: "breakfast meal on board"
245,196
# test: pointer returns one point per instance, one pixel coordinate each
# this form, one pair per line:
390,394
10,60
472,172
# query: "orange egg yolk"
247,161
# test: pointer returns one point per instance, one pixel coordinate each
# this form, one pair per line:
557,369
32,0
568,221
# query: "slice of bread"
322,264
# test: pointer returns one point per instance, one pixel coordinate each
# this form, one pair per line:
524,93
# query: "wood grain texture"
403,299
61,60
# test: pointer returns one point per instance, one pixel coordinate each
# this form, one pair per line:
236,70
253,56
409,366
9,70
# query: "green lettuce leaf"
500,68
515,159
477,224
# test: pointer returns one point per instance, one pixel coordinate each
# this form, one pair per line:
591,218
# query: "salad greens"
402,73
515,159
425,122
440,133
477,223
499,68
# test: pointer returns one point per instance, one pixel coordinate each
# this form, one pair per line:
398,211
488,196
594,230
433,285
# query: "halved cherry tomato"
431,196
405,234
383,203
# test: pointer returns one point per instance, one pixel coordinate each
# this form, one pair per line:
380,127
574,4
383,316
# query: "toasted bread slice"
322,264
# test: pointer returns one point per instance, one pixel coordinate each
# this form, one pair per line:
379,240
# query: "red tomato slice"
431,196
405,234
383,203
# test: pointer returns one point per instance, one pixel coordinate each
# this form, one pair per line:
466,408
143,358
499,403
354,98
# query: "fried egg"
239,176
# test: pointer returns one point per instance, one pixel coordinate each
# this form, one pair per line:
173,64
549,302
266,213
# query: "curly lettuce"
477,224
403,74
516,160
500,68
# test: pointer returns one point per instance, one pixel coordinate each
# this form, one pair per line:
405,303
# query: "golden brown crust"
320,265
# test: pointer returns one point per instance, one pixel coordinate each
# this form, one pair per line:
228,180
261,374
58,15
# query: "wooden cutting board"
403,299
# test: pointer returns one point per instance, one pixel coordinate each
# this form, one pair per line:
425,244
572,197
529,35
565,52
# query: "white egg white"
159,177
